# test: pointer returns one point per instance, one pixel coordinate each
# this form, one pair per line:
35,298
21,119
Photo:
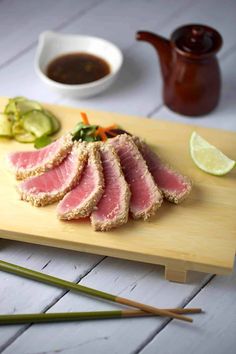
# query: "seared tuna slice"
145,196
80,201
174,186
113,208
31,163
55,183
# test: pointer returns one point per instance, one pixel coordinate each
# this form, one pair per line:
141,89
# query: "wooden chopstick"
70,316
48,279
81,316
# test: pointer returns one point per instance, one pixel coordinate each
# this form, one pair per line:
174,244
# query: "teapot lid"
196,40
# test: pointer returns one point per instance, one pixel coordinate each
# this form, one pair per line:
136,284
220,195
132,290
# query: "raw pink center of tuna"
83,190
166,180
140,193
54,179
26,159
164,177
108,205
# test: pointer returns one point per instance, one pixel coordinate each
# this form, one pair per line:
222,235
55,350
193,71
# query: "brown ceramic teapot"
189,66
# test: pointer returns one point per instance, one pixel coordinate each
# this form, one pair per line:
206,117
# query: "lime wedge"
208,158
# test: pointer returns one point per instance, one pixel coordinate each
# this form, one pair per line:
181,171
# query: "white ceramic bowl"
53,44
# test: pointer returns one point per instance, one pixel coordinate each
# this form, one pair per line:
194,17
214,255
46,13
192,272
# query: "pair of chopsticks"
143,309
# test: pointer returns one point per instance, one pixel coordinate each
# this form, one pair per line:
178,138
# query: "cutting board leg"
176,275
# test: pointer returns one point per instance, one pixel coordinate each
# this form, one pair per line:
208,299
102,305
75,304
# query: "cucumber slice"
56,125
37,122
20,134
17,128
5,125
11,106
25,106
26,120
25,137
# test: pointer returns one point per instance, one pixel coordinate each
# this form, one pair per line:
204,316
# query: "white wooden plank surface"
140,77
118,21
137,91
22,295
215,13
123,95
128,279
213,332
22,21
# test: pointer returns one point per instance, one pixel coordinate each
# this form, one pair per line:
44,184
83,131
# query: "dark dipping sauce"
77,68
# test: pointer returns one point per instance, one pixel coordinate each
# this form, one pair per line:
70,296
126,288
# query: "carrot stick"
97,132
84,118
103,135
110,127
100,132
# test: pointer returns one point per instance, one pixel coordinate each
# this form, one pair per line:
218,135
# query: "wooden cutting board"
199,234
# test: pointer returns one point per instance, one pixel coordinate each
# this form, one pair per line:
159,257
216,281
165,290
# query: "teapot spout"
163,48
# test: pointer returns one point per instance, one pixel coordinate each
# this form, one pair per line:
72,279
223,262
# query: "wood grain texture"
175,274
137,91
138,87
214,332
22,295
128,279
175,237
134,78
27,19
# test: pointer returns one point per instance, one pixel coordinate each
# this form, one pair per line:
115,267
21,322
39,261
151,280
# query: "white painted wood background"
137,91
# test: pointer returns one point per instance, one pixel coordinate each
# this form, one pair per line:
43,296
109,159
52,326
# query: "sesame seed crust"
171,196
122,212
93,152
178,198
42,198
87,206
52,161
125,140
